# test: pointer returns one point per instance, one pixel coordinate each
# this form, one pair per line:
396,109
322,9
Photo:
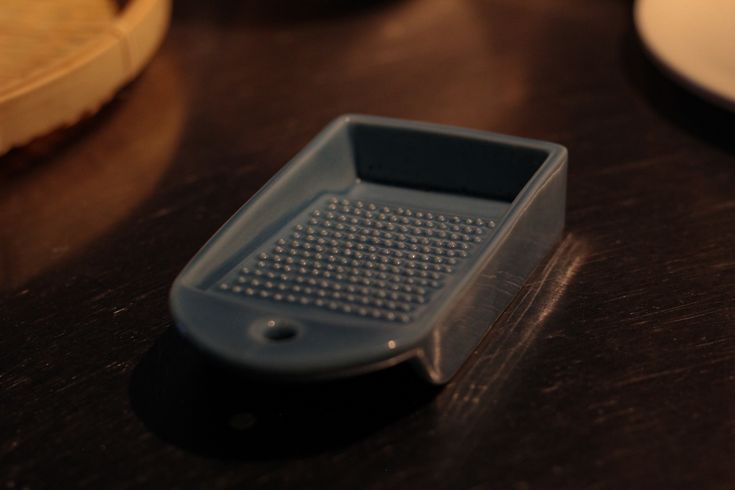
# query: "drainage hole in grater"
279,332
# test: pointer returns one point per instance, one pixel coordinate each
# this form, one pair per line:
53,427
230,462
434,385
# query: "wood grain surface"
614,368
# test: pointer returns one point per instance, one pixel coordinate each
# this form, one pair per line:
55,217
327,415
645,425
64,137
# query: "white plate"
695,41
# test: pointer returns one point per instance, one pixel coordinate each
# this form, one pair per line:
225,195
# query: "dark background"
614,368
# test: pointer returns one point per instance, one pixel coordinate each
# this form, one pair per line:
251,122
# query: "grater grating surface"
362,258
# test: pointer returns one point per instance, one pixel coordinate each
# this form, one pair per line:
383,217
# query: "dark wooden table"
615,367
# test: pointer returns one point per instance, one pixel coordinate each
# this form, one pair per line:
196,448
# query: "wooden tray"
62,61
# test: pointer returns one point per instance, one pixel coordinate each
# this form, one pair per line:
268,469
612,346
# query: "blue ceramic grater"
383,241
